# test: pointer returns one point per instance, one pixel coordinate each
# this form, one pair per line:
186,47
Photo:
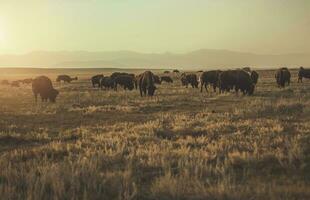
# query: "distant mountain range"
199,59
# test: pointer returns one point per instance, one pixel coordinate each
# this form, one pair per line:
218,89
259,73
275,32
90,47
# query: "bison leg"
202,84
214,87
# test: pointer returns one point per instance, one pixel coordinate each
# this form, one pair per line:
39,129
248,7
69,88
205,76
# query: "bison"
283,77
147,84
176,71
65,78
107,83
254,76
167,79
209,77
95,80
116,74
166,72
191,79
126,81
238,80
43,86
303,73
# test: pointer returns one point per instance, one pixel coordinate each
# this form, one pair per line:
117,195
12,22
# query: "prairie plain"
179,144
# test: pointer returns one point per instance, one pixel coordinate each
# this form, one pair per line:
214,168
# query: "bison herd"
243,80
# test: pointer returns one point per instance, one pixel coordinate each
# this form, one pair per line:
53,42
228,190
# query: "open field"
180,144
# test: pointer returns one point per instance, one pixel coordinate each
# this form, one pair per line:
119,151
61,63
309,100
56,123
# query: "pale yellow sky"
258,26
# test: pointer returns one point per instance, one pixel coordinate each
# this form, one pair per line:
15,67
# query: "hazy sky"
258,26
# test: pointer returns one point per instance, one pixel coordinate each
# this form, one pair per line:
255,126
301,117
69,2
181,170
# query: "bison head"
54,93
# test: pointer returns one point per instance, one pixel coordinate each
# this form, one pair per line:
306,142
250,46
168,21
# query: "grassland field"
179,144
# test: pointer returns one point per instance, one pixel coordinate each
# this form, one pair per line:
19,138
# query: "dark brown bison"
191,79
303,73
107,83
116,74
95,80
166,72
238,80
5,82
283,77
167,79
126,81
43,86
65,78
176,71
209,78
147,84
254,76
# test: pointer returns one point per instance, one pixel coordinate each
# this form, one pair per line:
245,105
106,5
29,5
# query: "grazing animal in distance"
191,79
127,81
166,79
65,78
15,84
26,81
43,86
209,78
5,82
283,77
147,84
303,73
107,82
254,76
176,71
238,80
166,72
95,80
116,74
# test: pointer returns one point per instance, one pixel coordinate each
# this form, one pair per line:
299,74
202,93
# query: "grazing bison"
254,76
147,84
65,78
176,71
166,72
116,74
5,82
26,81
189,79
283,76
95,80
15,84
303,73
127,81
43,86
107,82
209,77
238,80
167,79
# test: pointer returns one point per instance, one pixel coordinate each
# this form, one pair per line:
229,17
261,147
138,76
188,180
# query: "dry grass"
180,144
